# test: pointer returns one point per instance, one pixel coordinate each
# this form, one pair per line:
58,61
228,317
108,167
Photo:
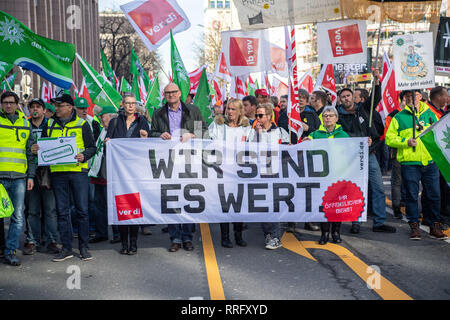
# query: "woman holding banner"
129,124
329,130
266,131
233,127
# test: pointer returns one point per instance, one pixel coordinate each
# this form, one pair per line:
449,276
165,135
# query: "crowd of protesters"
54,204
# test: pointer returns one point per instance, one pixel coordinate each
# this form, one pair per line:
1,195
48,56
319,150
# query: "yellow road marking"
386,290
212,269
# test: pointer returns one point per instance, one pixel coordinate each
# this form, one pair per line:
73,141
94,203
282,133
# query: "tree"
117,37
208,49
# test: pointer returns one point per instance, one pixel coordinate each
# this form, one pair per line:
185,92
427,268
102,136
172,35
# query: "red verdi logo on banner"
129,206
343,201
244,51
345,40
155,18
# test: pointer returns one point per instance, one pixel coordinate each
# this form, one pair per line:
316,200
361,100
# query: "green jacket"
322,133
401,130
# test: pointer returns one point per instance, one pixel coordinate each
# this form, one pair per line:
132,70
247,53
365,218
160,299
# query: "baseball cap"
37,100
63,98
50,107
81,103
107,109
261,92
344,89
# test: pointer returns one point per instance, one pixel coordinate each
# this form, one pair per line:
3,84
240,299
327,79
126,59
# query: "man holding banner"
416,163
71,178
184,122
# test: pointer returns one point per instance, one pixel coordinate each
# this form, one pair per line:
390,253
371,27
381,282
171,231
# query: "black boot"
325,228
225,235
124,249
239,241
124,239
336,232
133,246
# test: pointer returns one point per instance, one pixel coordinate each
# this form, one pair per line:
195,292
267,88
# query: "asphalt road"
300,270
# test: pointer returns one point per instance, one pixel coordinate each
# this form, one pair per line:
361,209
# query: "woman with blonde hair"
232,127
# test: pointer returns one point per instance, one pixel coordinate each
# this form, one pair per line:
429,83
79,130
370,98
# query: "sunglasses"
260,115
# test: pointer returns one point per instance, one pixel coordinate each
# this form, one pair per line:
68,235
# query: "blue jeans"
36,199
181,232
272,228
16,190
64,184
91,207
376,191
429,176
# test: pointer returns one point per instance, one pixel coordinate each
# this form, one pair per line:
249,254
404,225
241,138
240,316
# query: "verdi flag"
135,88
49,58
8,83
153,98
437,141
107,70
203,98
137,69
125,86
180,75
5,68
100,91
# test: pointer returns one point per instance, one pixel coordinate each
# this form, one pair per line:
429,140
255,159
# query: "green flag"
125,86
107,70
437,141
203,98
7,84
153,98
100,91
5,68
49,58
180,75
135,88
137,69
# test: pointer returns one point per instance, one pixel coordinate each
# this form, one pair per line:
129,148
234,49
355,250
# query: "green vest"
73,128
13,144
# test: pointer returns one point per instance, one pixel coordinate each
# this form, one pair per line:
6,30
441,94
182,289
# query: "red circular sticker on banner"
343,201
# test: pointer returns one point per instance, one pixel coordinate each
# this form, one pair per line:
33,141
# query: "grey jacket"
191,121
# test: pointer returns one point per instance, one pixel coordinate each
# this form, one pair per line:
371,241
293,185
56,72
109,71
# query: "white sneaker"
273,244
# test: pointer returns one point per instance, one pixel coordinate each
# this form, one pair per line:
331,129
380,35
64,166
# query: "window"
219,4
227,4
212,4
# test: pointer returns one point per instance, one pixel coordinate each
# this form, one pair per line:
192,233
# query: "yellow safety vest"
13,144
73,128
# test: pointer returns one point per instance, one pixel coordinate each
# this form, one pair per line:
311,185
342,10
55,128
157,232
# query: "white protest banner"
414,61
263,14
152,181
53,151
342,41
153,20
246,52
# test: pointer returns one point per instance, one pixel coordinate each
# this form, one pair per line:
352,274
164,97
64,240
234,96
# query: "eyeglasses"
328,115
62,105
130,103
10,103
168,93
260,115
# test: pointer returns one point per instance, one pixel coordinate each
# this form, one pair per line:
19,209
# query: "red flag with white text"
326,81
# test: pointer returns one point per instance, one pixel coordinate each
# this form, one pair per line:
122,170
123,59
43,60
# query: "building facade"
73,21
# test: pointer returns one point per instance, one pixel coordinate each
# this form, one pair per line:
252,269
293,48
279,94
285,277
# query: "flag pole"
95,79
162,69
372,98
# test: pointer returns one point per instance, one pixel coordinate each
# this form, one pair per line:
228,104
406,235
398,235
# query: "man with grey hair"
182,121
